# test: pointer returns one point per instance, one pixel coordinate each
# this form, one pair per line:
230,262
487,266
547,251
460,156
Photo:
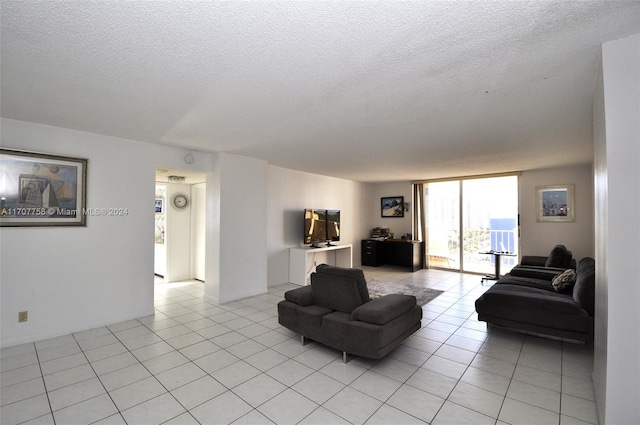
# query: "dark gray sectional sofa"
335,310
526,300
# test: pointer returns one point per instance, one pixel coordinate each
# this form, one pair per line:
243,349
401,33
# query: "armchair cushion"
356,274
335,292
384,309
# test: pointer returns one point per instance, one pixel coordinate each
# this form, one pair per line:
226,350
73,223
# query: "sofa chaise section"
533,305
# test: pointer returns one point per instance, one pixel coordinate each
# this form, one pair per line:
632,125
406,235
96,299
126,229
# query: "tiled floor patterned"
197,363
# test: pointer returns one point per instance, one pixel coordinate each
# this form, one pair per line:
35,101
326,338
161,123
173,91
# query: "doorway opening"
179,227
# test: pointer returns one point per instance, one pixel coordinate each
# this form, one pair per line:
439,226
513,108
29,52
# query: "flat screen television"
333,225
321,226
315,230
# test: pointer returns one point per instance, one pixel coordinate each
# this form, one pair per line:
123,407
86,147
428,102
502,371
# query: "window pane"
442,203
490,222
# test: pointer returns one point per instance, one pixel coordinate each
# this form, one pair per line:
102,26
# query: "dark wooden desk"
396,252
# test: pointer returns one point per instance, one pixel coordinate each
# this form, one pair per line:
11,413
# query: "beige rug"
378,288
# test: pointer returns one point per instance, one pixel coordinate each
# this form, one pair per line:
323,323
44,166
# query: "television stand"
304,259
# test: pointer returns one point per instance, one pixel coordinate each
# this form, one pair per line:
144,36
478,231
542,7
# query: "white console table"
303,260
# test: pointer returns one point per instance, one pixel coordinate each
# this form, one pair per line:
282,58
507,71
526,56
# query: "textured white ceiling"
369,91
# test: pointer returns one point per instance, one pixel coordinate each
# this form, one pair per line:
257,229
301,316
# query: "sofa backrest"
355,274
584,290
559,257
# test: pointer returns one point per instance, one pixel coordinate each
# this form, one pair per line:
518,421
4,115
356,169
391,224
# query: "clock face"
180,201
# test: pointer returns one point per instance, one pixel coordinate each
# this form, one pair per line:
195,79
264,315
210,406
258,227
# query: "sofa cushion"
559,257
530,299
585,287
509,279
356,274
563,282
544,273
335,292
384,309
513,306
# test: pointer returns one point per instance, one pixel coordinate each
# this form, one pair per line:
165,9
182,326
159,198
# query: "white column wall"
617,140
237,231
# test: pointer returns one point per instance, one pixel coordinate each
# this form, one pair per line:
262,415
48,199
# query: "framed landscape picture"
555,203
392,206
38,189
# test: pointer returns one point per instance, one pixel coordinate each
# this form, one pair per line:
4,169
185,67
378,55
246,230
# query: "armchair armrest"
384,309
301,296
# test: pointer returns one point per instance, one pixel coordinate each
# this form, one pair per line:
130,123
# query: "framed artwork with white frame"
555,203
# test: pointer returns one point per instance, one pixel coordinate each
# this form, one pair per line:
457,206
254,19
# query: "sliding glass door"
467,217
442,212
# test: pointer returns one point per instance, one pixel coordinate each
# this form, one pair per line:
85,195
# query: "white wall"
396,225
290,192
539,238
236,222
76,278
617,155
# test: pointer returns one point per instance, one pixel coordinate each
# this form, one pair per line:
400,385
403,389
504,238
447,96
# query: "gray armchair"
335,310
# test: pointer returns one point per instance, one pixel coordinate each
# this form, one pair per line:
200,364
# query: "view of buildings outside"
489,211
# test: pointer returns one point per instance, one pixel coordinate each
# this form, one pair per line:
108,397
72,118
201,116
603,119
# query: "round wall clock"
180,201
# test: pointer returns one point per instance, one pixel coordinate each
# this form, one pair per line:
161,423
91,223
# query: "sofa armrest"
301,296
384,309
533,260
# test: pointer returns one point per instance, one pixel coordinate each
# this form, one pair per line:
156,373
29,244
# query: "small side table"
497,255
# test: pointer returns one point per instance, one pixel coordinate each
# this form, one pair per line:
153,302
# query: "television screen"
333,225
315,230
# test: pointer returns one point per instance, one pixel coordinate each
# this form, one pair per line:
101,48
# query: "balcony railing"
475,242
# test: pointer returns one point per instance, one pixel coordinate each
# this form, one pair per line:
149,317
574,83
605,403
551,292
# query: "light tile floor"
195,362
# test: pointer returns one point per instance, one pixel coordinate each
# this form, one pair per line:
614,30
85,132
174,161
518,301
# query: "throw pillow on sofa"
564,281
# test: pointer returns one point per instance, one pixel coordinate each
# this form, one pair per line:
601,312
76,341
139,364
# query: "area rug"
378,288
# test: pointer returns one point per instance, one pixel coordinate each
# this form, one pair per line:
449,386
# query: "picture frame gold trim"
555,203
39,189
